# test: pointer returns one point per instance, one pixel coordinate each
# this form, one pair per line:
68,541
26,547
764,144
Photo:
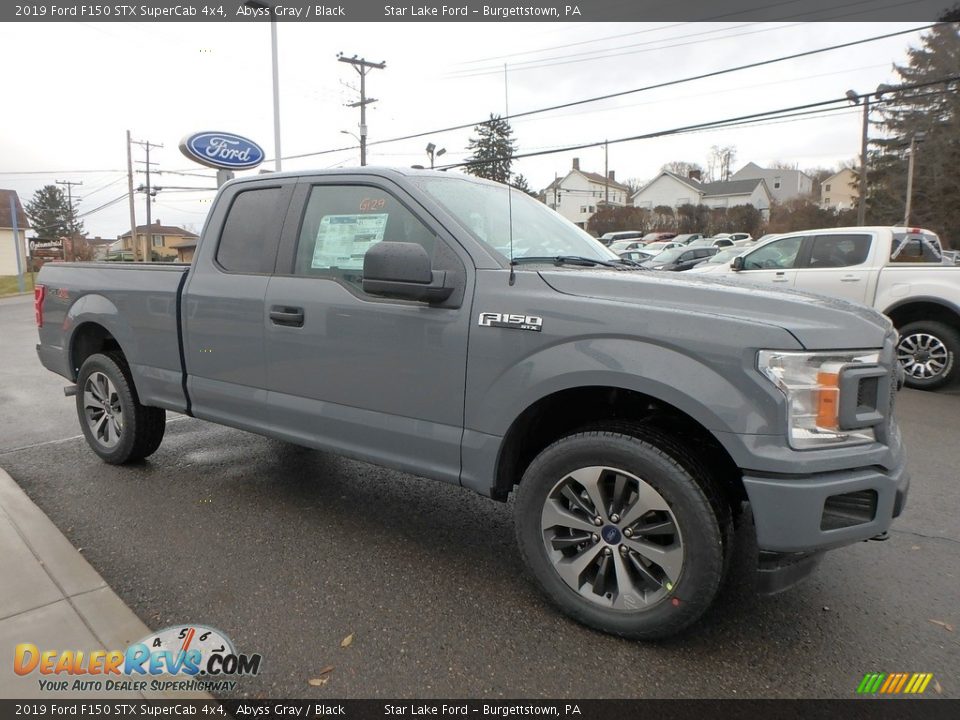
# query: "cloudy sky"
73,90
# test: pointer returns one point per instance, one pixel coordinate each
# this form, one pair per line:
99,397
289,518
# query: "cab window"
342,222
779,255
837,251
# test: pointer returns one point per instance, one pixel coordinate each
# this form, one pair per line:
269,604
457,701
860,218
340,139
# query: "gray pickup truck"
377,314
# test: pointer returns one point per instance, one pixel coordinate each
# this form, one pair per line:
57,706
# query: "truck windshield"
483,209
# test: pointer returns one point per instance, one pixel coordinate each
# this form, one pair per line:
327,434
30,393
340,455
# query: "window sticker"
342,240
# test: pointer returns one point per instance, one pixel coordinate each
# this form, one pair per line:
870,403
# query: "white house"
13,254
783,184
674,190
579,194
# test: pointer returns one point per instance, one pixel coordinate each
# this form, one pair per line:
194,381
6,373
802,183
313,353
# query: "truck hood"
816,321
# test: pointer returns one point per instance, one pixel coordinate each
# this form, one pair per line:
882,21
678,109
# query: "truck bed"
138,303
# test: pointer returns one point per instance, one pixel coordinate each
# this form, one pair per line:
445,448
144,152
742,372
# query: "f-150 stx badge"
511,320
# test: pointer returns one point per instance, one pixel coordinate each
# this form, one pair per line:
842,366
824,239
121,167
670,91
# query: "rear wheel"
620,535
928,352
117,427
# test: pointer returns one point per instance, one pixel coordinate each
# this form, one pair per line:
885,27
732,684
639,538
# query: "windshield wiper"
567,260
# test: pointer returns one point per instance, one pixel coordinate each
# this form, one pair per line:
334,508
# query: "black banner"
872,709
475,11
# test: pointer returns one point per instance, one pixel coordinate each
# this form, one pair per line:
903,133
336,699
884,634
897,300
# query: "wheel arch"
95,325
565,411
923,308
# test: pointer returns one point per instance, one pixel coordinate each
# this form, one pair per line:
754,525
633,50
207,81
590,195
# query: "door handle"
850,278
288,316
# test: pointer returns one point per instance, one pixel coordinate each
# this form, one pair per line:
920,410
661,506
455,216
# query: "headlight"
811,384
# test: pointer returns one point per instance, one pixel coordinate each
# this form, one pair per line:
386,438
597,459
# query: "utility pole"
914,142
146,145
606,173
362,66
862,204
133,213
69,184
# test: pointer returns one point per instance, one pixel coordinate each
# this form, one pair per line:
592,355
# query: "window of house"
833,251
827,200
250,236
827,187
592,209
776,183
583,208
342,222
156,240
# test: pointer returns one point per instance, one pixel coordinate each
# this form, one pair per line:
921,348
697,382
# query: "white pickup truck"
902,272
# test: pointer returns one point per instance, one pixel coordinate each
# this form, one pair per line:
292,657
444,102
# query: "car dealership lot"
289,550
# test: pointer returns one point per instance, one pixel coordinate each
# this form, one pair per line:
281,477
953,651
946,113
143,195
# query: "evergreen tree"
520,183
931,117
51,216
493,149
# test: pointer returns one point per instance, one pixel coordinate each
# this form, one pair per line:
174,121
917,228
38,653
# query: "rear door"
773,264
838,265
222,304
375,378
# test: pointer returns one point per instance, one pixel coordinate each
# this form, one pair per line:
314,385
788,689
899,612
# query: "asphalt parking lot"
289,550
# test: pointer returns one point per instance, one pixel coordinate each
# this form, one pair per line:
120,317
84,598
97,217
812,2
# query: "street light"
432,150
270,8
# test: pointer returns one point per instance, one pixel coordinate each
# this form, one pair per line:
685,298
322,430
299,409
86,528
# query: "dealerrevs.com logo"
177,658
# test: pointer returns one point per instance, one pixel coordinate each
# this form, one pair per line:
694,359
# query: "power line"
623,93
768,114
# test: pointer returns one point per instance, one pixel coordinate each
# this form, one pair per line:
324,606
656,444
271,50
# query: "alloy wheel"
922,355
102,409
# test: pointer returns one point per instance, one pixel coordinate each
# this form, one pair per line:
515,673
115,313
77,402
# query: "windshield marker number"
508,320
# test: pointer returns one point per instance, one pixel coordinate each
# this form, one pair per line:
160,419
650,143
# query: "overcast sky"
72,90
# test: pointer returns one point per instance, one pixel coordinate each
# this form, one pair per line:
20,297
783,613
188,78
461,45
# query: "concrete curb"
56,601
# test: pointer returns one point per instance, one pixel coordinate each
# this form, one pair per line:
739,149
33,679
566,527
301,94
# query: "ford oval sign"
222,150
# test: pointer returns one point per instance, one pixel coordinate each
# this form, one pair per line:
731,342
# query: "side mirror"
737,264
402,271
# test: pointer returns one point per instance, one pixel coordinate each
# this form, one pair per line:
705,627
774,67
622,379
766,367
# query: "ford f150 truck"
899,271
448,327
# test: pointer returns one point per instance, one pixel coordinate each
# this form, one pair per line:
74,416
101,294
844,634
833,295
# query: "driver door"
775,263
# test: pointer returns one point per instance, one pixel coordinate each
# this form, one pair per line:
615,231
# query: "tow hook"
70,390
881,537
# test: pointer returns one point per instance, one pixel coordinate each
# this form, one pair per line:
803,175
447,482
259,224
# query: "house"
674,190
101,246
839,191
578,194
163,238
185,250
783,183
13,253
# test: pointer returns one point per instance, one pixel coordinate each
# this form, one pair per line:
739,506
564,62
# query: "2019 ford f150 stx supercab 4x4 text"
378,314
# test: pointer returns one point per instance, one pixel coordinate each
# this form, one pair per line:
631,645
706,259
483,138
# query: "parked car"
656,248
612,237
658,237
679,258
898,271
687,238
365,312
739,237
721,241
719,262
623,245
637,256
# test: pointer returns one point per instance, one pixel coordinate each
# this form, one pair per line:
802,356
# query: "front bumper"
825,510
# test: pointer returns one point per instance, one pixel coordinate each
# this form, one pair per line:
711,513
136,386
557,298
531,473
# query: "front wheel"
928,352
117,427
619,534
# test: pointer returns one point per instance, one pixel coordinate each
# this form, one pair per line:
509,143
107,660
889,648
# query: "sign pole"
16,241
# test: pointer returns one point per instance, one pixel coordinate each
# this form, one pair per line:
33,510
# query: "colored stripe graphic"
894,683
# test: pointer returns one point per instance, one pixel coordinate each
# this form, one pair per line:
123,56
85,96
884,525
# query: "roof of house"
100,241
730,187
6,220
592,177
158,229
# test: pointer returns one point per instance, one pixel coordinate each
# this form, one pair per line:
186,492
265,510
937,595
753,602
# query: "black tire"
137,431
929,352
691,503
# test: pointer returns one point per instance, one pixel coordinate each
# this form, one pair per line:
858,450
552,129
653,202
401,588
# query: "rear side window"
248,243
917,248
837,251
